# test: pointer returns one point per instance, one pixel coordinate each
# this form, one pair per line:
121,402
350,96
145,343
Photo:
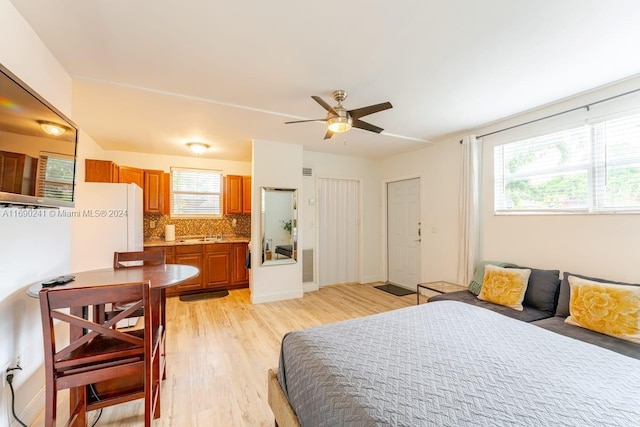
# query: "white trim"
276,297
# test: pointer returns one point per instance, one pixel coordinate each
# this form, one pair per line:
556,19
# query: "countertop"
196,241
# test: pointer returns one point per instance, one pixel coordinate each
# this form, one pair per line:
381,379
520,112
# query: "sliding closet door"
338,236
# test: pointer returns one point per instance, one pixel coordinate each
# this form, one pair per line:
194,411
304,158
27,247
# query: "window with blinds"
55,176
590,169
196,193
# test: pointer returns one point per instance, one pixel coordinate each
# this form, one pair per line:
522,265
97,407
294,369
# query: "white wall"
31,249
274,165
438,168
602,245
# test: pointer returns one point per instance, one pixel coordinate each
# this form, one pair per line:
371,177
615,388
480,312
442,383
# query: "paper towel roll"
169,233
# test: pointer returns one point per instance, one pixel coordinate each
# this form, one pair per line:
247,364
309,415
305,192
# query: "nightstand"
440,287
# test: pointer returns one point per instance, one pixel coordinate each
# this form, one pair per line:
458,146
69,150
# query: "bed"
449,364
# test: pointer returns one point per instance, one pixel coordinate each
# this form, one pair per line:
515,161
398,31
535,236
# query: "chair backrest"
67,305
128,259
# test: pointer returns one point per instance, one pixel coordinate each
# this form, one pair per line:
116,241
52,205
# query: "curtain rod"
587,106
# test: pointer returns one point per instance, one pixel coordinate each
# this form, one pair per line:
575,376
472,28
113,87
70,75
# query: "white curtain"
469,209
338,201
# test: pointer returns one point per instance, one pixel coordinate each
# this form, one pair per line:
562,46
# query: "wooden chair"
135,259
120,259
101,365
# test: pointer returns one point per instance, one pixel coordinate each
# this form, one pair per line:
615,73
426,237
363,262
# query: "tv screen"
37,148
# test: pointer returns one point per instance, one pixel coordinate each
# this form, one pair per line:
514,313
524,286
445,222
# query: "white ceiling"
151,75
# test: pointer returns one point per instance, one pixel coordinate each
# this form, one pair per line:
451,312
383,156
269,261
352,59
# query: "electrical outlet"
4,374
152,224
18,361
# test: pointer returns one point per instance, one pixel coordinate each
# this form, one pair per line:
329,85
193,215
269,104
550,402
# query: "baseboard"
371,279
310,287
31,411
276,297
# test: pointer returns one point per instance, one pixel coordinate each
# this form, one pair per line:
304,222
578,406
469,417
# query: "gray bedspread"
452,364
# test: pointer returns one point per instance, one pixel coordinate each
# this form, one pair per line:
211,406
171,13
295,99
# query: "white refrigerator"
107,218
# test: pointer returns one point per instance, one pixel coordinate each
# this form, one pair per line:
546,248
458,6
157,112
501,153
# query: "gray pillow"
565,291
542,290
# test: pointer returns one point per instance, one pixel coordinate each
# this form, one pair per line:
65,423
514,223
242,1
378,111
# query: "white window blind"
55,176
593,168
196,193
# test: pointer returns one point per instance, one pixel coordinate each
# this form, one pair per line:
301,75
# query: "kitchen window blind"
593,168
196,193
55,176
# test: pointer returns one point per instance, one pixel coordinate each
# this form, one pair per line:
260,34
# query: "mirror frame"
268,254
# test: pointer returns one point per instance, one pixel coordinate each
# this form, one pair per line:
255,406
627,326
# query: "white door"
403,232
338,236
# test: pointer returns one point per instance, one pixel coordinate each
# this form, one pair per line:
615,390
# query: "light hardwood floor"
219,351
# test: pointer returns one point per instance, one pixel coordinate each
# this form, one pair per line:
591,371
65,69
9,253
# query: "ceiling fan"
340,120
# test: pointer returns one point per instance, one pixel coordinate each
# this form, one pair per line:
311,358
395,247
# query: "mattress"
453,364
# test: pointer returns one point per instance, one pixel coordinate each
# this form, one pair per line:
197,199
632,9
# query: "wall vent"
307,172
307,266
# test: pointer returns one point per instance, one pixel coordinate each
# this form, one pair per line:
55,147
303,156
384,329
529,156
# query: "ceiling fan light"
339,124
51,128
197,147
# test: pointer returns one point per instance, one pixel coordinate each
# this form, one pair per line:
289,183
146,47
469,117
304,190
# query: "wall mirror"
279,211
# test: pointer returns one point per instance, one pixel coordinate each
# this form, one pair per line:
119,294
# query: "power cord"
13,394
95,396
13,397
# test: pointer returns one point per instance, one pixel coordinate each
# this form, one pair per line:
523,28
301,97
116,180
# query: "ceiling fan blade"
304,121
328,135
326,106
366,126
365,111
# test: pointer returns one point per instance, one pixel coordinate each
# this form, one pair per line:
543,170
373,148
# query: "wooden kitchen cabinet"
218,265
221,265
101,171
129,175
153,193
18,173
246,195
233,194
239,271
237,195
188,255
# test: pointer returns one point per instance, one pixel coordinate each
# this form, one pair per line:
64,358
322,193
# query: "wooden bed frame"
282,411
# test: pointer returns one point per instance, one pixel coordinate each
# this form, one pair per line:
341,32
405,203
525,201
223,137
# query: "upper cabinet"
237,195
154,183
246,195
101,171
156,186
17,173
154,191
129,175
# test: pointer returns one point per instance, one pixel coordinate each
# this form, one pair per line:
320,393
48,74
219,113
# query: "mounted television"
37,148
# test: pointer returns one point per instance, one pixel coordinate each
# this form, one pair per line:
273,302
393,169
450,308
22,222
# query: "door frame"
385,222
316,252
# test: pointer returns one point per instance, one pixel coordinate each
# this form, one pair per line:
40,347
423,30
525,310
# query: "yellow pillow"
605,307
504,286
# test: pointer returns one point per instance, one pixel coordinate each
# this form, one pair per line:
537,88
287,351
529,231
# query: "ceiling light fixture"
339,124
51,128
197,147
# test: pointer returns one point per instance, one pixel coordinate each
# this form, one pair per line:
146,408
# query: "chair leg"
50,404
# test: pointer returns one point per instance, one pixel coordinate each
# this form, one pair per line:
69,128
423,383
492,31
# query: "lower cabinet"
222,266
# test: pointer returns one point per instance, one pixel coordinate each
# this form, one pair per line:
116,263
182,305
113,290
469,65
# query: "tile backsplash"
197,227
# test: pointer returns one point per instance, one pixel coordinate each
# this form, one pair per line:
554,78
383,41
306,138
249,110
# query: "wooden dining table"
160,277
